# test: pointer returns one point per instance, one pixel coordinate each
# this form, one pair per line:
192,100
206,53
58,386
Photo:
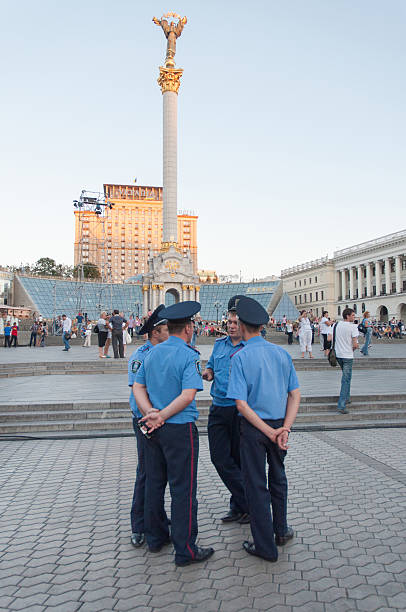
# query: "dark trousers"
290,337
224,441
33,339
7,341
172,455
263,492
13,341
117,336
137,505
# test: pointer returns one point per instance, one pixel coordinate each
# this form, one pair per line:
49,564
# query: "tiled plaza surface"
25,354
64,538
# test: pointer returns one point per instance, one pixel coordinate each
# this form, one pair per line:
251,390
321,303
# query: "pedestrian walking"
223,427
34,332
88,335
14,335
7,335
346,342
116,322
264,384
289,331
102,333
165,390
157,330
66,331
366,323
325,325
44,333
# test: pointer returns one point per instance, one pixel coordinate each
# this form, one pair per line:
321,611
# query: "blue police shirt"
134,364
220,362
166,371
262,374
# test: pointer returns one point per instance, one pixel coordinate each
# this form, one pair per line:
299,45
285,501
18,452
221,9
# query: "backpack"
362,328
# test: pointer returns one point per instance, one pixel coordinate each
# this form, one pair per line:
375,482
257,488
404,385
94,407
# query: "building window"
295,300
393,288
365,272
384,289
322,295
373,271
311,297
392,267
317,296
310,281
404,285
374,290
355,308
339,310
300,299
404,264
300,283
295,284
304,281
363,307
305,298
315,279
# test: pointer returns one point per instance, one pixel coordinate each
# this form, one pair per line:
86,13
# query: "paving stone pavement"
64,537
67,387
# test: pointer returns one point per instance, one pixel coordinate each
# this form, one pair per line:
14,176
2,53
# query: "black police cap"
154,320
182,311
251,312
232,302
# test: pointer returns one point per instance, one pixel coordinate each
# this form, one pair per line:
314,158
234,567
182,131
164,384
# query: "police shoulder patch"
198,367
135,366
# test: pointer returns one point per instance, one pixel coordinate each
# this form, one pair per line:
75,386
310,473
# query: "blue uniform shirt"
134,363
166,371
262,374
220,362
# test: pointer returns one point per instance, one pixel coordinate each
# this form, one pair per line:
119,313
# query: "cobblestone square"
65,534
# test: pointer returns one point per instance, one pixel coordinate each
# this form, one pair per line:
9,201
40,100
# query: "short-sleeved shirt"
220,363
324,328
7,330
134,364
170,368
101,324
262,374
117,322
345,332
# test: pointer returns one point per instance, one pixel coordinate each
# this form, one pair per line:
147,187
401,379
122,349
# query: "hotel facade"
370,276
121,240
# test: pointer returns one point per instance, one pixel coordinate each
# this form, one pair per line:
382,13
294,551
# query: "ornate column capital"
169,79
145,288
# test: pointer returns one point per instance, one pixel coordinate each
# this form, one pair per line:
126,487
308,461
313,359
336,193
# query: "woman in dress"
366,322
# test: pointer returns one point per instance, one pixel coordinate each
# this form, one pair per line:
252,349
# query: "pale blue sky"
292,132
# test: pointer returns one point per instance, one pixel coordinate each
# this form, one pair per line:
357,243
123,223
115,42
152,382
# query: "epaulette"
193,349
222,338
144,347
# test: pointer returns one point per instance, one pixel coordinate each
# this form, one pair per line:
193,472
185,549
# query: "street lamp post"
217,306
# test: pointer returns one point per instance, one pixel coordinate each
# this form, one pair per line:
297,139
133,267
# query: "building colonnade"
154,294
378,278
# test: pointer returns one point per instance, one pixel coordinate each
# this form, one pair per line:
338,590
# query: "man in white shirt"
66,331
346,342
325,324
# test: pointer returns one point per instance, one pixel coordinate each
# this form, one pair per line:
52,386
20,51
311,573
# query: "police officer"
157,329
224,423
264,384
165,389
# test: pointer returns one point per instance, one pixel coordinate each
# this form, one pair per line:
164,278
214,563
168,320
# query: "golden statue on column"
172,31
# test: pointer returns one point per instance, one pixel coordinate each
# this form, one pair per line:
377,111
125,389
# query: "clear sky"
292,131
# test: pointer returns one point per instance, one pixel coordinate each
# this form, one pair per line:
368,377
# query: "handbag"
128,338
96,329
332,357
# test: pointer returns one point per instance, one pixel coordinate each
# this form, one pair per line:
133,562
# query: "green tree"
90,270
45,266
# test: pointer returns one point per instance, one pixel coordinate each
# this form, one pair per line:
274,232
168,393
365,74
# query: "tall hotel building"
121,239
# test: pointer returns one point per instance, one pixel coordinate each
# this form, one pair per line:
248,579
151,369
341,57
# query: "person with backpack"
366,328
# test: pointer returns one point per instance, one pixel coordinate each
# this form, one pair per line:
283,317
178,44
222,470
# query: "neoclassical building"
368,276
372,276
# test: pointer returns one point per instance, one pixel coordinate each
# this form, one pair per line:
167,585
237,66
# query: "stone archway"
382,314
401,314
171,297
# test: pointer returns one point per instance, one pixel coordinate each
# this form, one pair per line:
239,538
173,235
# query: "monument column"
352,291
344,284
369,279
197,293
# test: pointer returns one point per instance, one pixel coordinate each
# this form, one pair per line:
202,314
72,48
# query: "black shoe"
342,411
232,516
281,540
245,519
201,554
249,547
137,539
159,547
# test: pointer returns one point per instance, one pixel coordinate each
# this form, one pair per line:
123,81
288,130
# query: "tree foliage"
90,270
